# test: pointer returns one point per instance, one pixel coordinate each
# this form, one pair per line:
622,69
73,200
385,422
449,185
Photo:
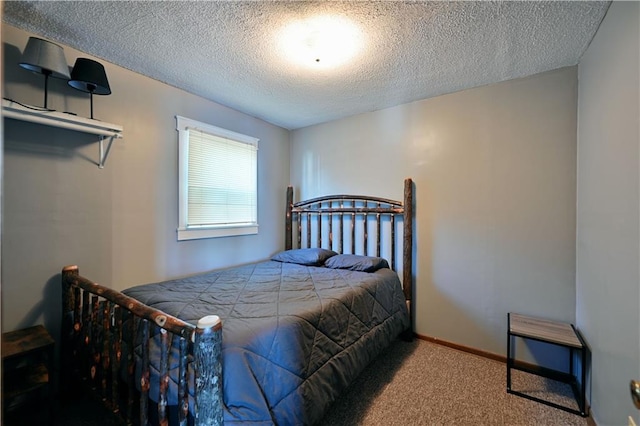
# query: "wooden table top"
25,340
545,330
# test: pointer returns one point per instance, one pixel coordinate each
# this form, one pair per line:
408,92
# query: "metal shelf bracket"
102,153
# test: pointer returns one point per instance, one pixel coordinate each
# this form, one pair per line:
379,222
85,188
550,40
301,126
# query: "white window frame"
190,233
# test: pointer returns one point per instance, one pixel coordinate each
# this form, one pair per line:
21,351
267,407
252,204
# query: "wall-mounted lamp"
89,76
43,57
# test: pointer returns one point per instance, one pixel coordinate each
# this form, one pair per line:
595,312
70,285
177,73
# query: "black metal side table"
557,333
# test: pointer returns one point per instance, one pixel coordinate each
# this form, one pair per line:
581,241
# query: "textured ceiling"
228,51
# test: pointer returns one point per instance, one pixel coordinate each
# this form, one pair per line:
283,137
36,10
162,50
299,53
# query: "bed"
274,342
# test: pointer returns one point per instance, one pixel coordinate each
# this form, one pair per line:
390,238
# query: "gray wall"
118,224
608,281
494,171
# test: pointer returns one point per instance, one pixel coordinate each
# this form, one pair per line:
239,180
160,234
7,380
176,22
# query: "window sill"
200,233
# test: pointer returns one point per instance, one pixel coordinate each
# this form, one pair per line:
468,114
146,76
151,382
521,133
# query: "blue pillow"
354,262
305,256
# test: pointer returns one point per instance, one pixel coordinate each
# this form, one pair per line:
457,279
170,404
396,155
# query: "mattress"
294,336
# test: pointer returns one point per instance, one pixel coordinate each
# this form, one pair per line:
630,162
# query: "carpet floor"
422,383
411,383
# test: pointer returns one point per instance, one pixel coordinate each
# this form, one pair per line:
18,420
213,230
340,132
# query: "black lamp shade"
89,76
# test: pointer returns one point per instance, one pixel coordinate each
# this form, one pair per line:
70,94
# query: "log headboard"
333,222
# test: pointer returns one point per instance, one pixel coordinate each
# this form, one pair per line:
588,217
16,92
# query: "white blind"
222,181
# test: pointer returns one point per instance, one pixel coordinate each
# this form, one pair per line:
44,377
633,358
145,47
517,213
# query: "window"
217,178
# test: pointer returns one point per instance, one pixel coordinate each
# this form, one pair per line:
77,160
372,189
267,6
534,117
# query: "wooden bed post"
288,227
407,260
69,273
208,360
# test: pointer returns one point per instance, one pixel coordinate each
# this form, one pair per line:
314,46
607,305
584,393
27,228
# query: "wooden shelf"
12,109
27,361
24,379
65,120
20,342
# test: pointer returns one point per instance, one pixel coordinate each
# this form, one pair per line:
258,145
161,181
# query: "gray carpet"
417,383
422,383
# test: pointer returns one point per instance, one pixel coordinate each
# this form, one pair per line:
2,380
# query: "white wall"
608,239
118,224
494,171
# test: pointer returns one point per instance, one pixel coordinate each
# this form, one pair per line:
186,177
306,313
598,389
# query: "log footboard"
101,328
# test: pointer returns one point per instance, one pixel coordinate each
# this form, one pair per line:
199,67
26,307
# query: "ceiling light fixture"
321,41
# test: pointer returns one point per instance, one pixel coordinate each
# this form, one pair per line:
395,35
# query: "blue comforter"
294,336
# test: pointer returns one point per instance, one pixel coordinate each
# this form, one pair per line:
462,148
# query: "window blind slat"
222,181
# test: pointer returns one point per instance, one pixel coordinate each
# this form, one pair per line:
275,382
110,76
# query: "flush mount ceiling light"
321,41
